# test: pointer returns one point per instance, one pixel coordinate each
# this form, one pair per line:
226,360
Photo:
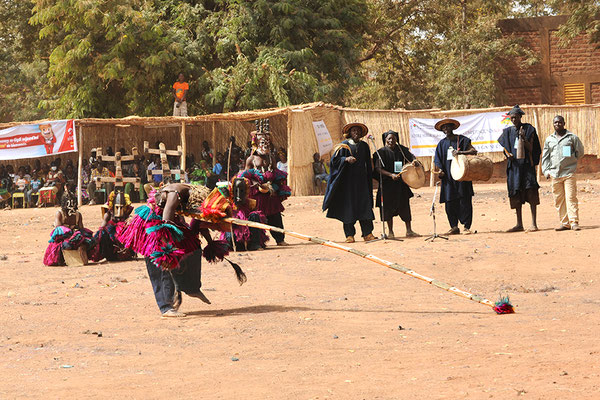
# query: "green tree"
117,57
23,68
584,19
436,54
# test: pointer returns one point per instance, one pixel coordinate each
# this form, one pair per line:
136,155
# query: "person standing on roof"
180,91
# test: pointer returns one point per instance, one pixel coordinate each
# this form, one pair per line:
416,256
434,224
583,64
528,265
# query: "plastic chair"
19,195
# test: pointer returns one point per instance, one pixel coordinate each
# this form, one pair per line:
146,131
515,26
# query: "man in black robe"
457,196
393,193
521,177
349,193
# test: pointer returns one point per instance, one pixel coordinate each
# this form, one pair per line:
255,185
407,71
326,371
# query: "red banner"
38,140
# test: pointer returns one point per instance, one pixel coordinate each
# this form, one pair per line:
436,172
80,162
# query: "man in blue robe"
349,193
521,177
456,195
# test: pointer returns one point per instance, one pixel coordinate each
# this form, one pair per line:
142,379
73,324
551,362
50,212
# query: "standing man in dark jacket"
457,196
393,194
349,194
522,148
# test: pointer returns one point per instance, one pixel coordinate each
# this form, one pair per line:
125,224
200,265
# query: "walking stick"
383,235
503,306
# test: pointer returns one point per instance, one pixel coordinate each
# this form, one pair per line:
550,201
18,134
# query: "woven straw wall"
292,128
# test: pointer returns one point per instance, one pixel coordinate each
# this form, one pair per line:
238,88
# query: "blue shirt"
217,169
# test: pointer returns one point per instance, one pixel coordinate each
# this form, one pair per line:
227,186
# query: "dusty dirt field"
313,322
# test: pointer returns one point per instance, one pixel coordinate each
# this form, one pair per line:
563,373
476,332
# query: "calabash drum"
413,174
471,168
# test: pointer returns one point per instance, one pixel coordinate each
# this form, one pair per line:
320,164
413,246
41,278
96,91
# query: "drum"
413,174
471,168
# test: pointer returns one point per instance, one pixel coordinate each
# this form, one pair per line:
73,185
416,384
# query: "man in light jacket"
562,150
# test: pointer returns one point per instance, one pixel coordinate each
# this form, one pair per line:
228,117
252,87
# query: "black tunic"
451,189
349,194
520,174
395,193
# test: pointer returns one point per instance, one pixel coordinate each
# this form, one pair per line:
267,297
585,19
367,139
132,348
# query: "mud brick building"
563,75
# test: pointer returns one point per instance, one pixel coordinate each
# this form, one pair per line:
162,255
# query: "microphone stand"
384,236
432,213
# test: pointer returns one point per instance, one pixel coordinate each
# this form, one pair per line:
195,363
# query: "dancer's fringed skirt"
243,234
165,243
108,246
64,238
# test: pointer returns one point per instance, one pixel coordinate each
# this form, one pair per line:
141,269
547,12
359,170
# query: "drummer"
393,193
457,195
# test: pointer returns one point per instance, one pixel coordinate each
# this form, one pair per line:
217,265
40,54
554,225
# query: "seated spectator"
53,184
100,171
155,163
93,158
37,167
218,167
126,166
6,185
234,164
200,174
319,170
70,175
207,153
21,183
139,194
36,183
10,172
282,164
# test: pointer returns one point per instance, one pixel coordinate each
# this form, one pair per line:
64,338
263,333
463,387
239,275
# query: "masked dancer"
69,233
268,184
171,247
116,212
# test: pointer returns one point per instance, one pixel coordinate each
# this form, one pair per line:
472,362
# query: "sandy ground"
313,322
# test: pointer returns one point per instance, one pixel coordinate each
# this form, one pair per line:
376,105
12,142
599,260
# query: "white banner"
37,140
323,137
483,129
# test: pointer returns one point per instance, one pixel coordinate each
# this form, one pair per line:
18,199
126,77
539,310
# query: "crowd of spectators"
205,167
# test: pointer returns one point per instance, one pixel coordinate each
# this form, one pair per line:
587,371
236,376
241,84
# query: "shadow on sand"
274,308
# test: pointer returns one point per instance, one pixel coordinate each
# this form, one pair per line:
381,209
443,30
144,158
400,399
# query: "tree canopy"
112,58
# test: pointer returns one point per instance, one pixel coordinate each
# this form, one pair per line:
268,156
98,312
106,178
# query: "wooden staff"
501,307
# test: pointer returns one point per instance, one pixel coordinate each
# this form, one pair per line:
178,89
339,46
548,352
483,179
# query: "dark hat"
516,110
346,129
439,124
384,135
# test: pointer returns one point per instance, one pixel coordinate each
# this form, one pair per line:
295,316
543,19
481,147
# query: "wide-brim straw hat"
439,124
347,127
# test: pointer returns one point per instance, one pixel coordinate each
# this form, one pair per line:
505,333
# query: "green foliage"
117,57
436,54
584,19
112,58
23,71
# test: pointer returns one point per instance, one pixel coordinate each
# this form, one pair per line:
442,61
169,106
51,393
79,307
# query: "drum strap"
403,156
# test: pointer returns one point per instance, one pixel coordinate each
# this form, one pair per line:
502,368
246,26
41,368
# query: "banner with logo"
483,129
38,140
324,140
